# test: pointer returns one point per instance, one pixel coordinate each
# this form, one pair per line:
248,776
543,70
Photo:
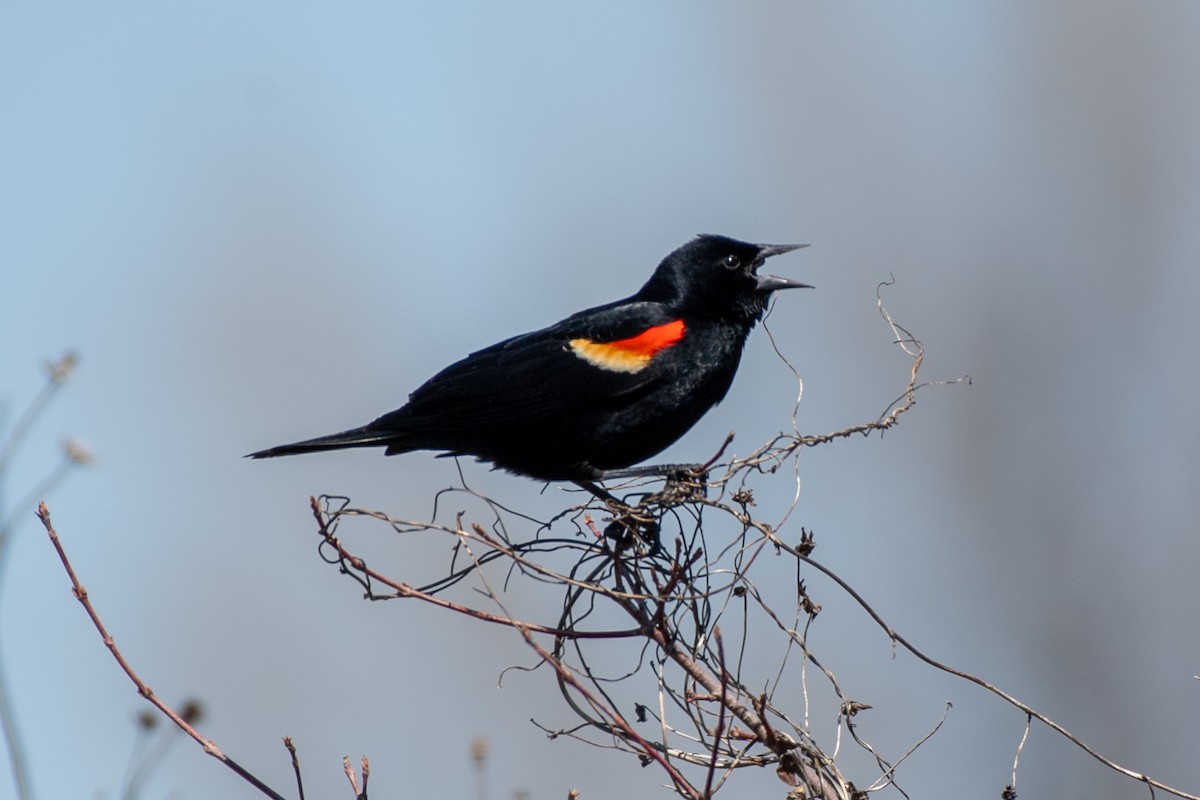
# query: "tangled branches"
625,583
701,710
673,569
654,607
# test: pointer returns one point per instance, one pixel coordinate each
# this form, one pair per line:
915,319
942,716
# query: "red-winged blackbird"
604,389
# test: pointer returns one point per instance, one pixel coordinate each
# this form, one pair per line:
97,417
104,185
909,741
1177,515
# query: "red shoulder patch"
632,354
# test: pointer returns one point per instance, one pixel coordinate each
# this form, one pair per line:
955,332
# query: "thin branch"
681,783
81,595
653,564
888,776
1003,695
57,374
719,729
351,562
291,748
1011,789
348,768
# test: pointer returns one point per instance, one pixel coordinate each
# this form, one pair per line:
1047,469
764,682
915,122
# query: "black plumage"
598,392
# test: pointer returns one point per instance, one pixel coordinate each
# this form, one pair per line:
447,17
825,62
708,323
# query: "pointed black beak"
770,283
768,250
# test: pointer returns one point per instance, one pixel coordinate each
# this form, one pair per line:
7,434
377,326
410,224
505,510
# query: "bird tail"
358,437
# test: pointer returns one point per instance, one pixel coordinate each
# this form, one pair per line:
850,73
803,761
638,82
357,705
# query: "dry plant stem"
889,772
755,720
81,595
647,608
366,774
773,454
650,751
291,748
682,785
407,590
719,729
654,588
57,373
1020,747
1030,712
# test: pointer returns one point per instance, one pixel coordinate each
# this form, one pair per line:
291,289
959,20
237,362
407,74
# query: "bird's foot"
681,479
626,530
668,471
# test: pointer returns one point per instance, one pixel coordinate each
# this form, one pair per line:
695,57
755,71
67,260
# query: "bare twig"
719,728
887,777
291,748
615,717
351,564
1012,787
348,768
81,595
57,373
1028,710
651,564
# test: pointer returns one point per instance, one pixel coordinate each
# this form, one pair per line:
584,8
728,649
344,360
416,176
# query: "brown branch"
407,590
348,768
81,595
774,452
617,719
648,750
291,748
1012,787
780,744
719,728
1028,710
676,605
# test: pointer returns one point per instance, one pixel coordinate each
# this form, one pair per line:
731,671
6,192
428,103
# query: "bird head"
717,276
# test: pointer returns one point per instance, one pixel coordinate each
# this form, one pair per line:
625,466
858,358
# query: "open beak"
770,283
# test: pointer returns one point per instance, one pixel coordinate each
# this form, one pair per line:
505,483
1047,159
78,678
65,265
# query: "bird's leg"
627,520
691,478
601,494
657,471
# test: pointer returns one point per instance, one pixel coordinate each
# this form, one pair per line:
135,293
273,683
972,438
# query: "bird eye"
732,262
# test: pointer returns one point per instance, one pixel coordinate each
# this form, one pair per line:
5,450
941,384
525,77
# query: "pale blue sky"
262,222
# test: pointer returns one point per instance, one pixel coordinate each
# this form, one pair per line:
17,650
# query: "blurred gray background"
264,222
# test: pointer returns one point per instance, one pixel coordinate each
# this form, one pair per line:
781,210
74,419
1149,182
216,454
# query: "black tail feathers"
358,437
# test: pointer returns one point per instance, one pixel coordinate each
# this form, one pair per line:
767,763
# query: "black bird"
604,389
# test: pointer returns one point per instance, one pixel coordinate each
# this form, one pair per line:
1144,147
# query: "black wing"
536,375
